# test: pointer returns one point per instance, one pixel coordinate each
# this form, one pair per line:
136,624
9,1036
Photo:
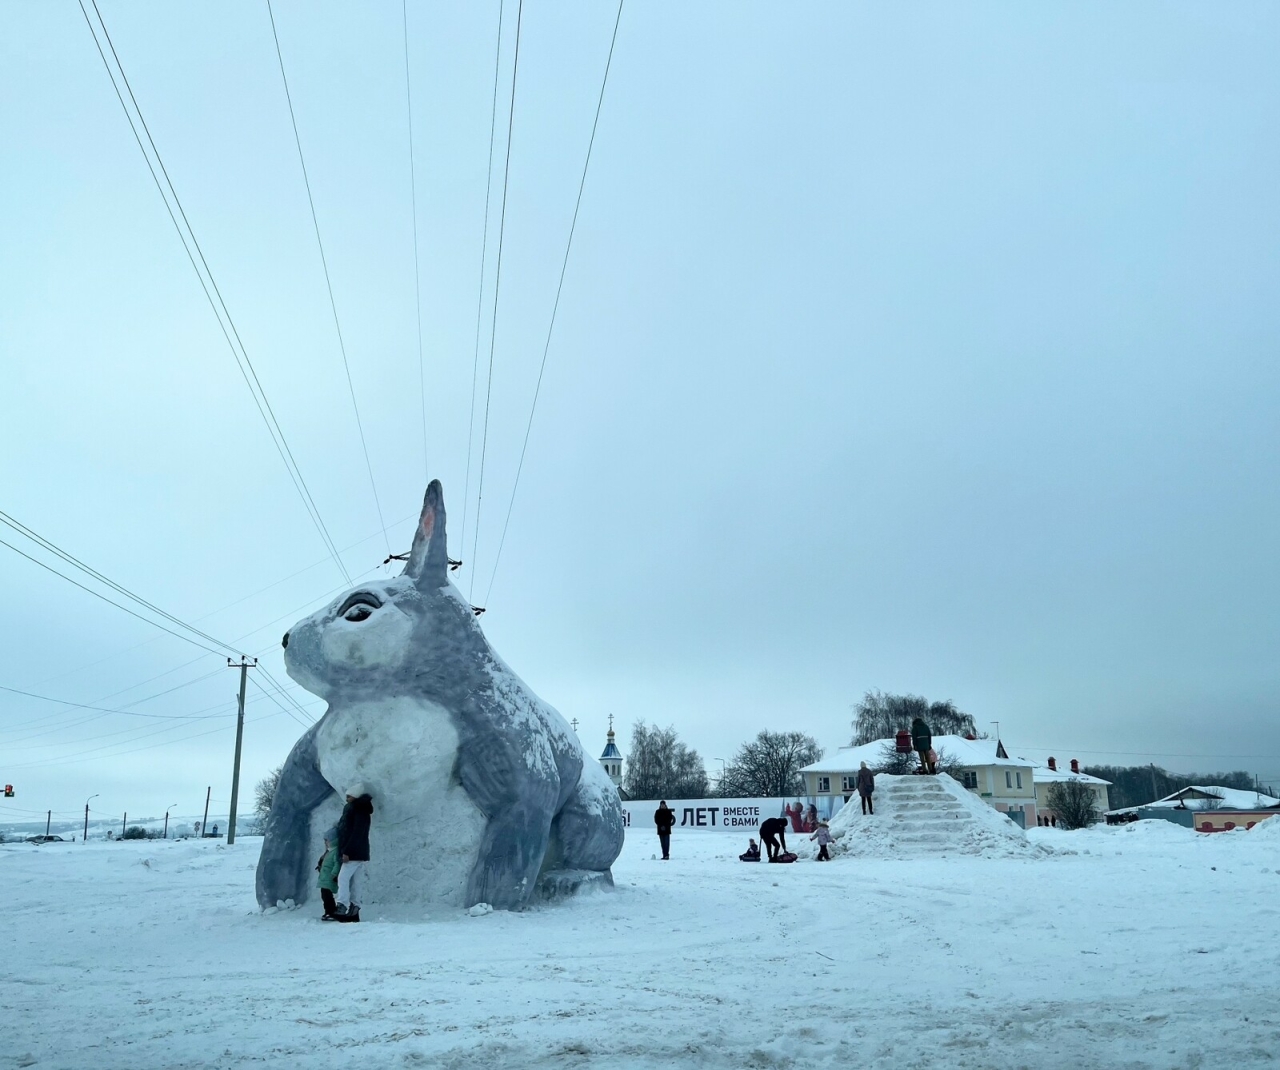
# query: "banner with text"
717,815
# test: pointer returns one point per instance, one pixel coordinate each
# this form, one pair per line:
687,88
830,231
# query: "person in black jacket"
771,831
664,818
922,741
866,785
353,847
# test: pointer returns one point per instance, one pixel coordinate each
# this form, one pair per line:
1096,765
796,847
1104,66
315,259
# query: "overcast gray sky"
928,348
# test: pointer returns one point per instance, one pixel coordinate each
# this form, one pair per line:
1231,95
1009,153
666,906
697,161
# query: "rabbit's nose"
285,641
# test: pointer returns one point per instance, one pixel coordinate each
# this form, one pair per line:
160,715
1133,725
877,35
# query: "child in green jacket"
328,866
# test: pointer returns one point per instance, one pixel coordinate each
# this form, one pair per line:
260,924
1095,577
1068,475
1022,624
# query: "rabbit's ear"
428,564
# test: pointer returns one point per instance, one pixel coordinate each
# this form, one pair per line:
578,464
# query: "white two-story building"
986,769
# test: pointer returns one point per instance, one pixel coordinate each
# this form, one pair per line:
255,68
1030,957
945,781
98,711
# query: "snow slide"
926,817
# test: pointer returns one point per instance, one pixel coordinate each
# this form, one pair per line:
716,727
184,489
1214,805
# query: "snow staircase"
921,812
925,817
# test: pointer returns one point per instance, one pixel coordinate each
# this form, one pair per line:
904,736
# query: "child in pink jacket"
823,836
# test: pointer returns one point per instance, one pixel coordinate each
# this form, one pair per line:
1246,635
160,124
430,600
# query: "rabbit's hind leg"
589,827
510,856
284,864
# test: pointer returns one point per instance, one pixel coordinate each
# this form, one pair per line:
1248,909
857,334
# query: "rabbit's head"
391,637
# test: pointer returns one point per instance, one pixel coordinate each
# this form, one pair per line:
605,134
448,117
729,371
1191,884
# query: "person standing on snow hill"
771,831
823,835
665,819
866,784
353,846
328,867
922,743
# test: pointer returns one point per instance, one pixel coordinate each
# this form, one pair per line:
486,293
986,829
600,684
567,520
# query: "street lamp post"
723,768
86,816
166,820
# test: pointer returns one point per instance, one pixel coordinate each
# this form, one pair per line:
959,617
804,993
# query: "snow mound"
927,817
1267,829
1153,831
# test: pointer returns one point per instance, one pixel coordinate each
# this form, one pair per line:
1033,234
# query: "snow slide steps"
926,817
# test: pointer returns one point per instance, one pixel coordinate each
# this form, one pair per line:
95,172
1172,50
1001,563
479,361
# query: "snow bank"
919,817
1128,958
1266,831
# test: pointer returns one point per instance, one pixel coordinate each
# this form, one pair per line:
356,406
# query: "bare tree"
1074,804
659,766
264,794
896,764
1210,801
770,764
879,716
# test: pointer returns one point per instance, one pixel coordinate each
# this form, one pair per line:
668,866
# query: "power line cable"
95,753
54,760
280,690
58,721
306,721
417,279
573,226
99,712
87,706
134,728
484,254
75,562
232,605
324,263
219,307
177,635
497,289
282,445
269,647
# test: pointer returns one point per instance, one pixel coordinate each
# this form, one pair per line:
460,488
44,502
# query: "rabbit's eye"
359,606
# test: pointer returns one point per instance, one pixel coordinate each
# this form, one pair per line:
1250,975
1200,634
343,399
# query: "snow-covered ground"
1140,946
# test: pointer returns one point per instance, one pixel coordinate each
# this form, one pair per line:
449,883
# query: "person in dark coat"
922,743
773,834
664,818
353,847
866,784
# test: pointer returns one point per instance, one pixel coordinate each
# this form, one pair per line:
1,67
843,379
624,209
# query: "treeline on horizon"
1136,785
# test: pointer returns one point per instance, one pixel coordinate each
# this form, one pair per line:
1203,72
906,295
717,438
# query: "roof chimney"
1053,765
1075,766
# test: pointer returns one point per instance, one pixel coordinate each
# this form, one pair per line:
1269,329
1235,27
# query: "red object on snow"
1075,765
902,742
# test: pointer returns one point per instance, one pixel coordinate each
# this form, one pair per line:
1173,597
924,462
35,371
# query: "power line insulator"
478,610
395,557
454,565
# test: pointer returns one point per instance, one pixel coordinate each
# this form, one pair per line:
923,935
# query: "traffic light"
8,791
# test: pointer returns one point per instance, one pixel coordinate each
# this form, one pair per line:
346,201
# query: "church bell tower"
611,759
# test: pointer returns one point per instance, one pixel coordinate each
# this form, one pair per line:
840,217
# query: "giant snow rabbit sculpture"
479,787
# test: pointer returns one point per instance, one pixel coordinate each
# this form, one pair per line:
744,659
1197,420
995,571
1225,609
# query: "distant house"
1049,774
1206,808
986,769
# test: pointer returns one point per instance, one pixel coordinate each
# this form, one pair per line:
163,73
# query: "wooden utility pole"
204,825
86,815
48,819
244,665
